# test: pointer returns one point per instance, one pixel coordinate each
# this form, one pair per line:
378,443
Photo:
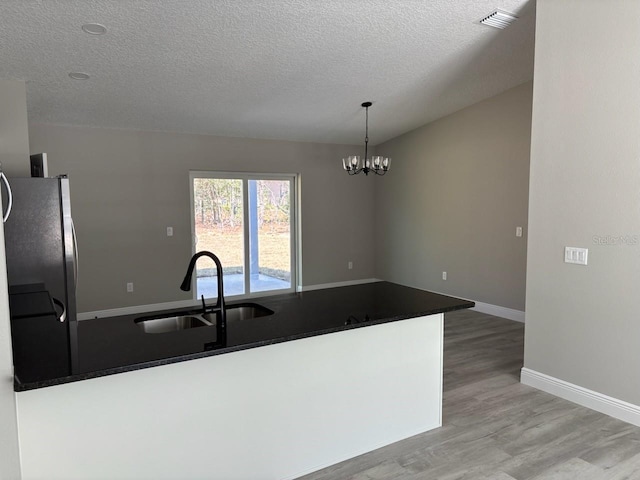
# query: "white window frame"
294,246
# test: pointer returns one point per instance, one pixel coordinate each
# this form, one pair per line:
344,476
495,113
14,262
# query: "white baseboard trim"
489,309
152,307
114,312
320,286
498,311
599,402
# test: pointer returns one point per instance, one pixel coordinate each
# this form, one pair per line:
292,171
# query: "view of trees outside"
218,222
219,225
274,228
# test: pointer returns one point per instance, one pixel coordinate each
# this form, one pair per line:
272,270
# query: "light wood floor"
496,428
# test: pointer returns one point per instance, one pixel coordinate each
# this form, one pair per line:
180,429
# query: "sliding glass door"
248,221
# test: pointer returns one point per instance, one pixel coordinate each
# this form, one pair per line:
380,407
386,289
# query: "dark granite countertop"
112,345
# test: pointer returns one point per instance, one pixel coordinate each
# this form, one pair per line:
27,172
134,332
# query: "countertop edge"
22,387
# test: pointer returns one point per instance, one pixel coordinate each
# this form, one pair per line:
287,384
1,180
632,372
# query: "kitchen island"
331,374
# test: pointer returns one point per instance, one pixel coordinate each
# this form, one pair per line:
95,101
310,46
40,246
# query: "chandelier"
354,164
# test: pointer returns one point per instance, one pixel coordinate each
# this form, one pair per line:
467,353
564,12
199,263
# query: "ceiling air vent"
499,19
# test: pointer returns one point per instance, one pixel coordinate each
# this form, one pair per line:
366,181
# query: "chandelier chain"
366,132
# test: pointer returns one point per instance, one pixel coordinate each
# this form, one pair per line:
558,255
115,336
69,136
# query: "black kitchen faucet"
220,307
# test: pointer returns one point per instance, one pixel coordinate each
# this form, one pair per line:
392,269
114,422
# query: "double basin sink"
195,319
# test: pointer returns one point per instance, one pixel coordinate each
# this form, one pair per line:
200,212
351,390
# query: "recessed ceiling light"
94,28
79,76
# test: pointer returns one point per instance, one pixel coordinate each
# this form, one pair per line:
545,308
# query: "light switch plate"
518,231
576,255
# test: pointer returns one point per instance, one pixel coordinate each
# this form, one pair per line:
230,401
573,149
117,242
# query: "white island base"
273,412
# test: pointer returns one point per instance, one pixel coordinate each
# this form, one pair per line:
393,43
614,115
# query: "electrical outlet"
130,287
518,231
444,275
169,231
350,265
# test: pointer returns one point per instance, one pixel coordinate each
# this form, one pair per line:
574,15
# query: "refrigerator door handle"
63,315
5,216
75,255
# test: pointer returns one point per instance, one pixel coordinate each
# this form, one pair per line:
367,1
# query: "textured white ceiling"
279,69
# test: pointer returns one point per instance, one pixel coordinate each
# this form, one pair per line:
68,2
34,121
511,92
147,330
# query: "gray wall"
128,186
14,133
582,321
13,150
456,193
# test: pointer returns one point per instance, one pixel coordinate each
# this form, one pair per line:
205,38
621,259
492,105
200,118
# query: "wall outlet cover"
576,255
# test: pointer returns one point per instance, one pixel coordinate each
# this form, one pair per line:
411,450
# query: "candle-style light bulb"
385,163
344,164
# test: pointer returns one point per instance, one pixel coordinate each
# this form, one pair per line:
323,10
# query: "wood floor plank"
626,470
613,450
573,468
496,428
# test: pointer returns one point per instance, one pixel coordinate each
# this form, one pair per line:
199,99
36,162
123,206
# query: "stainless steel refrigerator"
41,254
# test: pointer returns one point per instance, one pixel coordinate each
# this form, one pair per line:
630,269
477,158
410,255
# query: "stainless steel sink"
185,321
171,324
243,311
